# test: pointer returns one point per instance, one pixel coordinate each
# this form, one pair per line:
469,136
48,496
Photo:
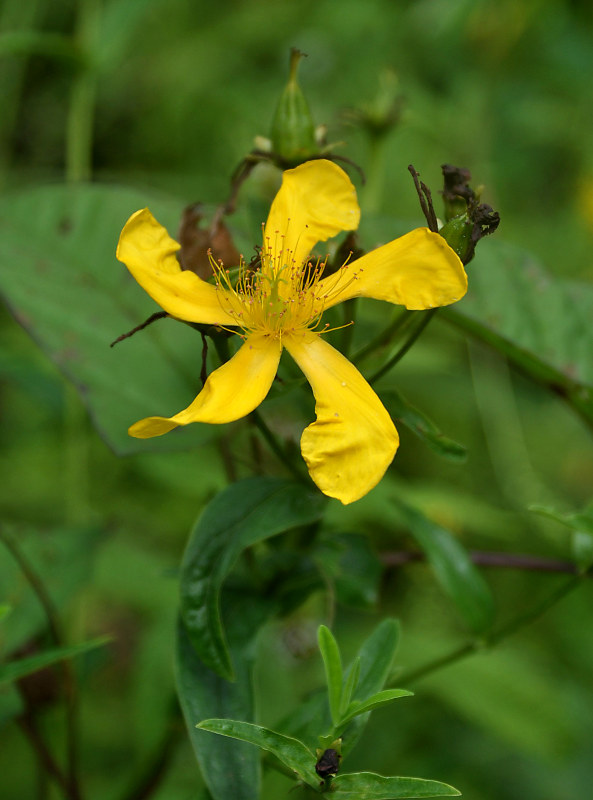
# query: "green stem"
479,644
79,135
81,112
400,353
401,321
276,447
16,19
372,194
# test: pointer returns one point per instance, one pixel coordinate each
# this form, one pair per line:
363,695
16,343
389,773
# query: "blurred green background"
179,91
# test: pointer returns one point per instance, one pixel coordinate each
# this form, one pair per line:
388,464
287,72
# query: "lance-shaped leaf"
230,769
421,426
581,525
15,670
374,701
350,685
375,658
289,751
368,786
245,513
332,662
453,568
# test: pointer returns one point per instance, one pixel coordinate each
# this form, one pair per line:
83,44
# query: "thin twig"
489,640
65,666
518,561
425,198
157,766
145,324
397,356
46,759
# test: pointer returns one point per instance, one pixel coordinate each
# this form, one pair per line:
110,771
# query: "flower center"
282,296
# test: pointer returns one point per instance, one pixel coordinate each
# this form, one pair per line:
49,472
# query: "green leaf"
15,670
230,769
5,610
374,701
62,282
422,426
581,525
368,786
350,685
542,323
289,751
578,521
332,662
453,568
376,658
243,514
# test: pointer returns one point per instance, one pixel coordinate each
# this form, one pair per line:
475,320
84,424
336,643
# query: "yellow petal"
418,271
231,392
315,202
148,251
353,441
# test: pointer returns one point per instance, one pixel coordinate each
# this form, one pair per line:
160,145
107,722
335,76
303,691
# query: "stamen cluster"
282,296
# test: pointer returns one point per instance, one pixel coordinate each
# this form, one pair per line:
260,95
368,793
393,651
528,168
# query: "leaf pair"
351,696
298,758
341,689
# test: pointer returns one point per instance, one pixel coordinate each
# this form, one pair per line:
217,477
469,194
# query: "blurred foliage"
180,89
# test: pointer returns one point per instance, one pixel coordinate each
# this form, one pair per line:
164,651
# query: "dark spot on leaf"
65,226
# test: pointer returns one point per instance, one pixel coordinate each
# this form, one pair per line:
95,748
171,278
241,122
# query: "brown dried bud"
197,242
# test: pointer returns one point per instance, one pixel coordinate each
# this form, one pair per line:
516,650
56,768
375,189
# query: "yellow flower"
353,440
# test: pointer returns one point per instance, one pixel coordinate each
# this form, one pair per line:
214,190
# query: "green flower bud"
293,131
458,235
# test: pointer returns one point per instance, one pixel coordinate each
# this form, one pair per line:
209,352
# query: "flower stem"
400,353
276,447
401,321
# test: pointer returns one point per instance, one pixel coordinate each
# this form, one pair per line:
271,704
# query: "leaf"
581,525
62,282
289,751
376,658
453,568
369,786
542,323
15,670
350,685
245,513
5,610
374,701
332,662
422,426
577,521
230,769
